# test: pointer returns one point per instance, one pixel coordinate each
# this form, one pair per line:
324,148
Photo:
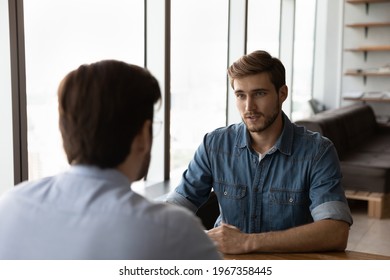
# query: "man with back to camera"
277,184
90,212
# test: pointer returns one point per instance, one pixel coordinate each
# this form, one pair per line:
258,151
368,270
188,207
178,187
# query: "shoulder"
313,145
232,129
161,214
228,134
27,189
305,136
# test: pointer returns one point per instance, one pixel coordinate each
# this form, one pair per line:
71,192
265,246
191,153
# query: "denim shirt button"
225,193
291,199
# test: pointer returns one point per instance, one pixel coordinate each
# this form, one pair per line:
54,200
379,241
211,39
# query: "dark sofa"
363,147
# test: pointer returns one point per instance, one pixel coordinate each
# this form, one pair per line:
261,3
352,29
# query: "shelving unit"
366,31
370,46
366,59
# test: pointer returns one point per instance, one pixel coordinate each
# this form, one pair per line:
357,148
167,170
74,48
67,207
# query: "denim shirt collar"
283,144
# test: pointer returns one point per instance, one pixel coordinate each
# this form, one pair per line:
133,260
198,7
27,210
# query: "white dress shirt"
92,213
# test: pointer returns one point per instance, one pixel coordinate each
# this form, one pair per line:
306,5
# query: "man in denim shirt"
277,184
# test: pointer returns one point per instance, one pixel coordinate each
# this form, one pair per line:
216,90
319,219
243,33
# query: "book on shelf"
373,94
385,69
366,95
353,94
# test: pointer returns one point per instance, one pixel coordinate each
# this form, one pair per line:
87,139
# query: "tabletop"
345,255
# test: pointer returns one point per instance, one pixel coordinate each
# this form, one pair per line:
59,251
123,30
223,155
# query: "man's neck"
263,141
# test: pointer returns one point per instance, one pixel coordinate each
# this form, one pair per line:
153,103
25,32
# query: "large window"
263,26
303,58
198,75
6,159
60,35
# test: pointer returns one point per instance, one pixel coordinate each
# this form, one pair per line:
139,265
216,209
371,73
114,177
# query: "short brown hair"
102,106
255,63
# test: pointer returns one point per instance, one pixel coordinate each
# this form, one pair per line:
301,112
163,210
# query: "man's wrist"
249,242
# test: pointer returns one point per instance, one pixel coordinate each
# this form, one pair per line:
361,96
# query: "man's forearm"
324,235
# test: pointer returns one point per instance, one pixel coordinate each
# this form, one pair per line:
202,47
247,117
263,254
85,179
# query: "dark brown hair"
102,106
258,62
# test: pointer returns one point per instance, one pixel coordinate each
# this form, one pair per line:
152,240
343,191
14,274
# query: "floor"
368,235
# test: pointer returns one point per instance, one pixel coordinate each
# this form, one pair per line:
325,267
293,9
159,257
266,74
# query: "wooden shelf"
366,1
362,73
369,49
363,99
368,24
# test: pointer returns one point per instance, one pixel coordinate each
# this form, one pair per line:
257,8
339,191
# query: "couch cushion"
366,171
378,143
359,122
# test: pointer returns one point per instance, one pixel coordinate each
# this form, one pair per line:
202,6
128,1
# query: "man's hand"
229,239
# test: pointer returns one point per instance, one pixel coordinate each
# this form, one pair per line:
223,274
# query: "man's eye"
259,93
240,96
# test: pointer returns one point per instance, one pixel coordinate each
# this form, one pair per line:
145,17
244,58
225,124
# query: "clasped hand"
229,239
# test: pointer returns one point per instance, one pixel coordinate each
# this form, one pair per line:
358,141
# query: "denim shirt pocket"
232,203
288,208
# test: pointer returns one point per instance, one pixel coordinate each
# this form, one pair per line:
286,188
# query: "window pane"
60,35
198,75
263,26
303,52
6,145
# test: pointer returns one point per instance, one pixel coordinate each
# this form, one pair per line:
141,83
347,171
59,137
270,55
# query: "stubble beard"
268,121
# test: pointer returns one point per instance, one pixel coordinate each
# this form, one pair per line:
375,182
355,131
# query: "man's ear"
283,93
143,140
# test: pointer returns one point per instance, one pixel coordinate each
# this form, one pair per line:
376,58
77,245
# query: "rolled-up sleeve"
335,210
327,195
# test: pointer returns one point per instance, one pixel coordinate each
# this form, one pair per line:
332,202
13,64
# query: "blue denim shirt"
295,183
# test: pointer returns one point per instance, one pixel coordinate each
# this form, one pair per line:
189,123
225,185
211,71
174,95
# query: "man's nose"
250,105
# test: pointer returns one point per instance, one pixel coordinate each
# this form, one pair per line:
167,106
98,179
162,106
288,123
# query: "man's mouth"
252,116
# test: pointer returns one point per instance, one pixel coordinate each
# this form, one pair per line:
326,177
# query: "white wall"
328,52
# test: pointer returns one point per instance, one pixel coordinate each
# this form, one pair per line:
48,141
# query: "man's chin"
253,128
